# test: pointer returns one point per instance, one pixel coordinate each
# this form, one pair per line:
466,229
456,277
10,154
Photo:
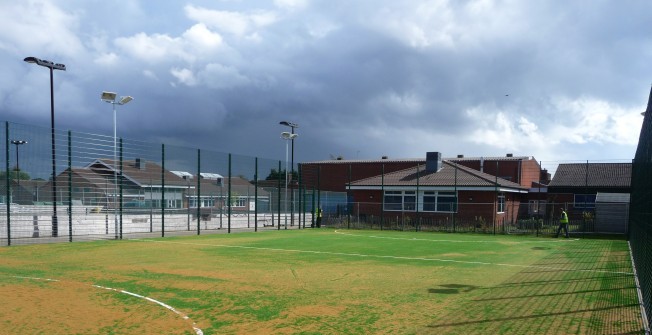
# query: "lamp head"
108,96
288,136
18,142
125,100
289,124
46,63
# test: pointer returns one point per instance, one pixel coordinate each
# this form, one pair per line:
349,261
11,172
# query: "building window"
400,200
240,202
501,202
439,201
536,207
584,201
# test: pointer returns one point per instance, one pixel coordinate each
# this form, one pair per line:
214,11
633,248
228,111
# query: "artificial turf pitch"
321,281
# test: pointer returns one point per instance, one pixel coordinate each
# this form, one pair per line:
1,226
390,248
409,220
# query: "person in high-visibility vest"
563,223
318,214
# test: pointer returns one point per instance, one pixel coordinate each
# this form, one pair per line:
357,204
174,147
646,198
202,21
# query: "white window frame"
437,195
403,206
500,202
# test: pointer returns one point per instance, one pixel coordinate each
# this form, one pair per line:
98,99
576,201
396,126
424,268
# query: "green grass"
355,282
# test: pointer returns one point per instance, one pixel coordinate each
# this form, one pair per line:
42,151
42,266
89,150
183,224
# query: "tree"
280,175
15,175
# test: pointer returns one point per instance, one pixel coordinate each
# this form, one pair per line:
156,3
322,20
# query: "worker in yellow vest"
563,223
318,214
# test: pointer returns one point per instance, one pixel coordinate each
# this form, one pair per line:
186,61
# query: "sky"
556,80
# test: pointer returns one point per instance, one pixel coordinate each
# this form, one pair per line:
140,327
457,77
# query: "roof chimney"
433,161
460,156
140,164
384,157
510,155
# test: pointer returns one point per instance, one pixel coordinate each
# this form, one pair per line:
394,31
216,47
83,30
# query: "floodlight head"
289,124
108,96
125,100
46,63
288,136
18,142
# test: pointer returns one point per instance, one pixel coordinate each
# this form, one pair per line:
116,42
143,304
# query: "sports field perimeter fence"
106,190
640,225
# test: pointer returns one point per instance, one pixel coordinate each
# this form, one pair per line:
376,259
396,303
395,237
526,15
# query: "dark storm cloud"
362,79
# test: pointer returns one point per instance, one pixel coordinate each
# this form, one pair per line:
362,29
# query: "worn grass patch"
321,282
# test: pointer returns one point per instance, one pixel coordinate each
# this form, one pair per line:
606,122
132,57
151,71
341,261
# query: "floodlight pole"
109,97
292,126
52,66
17,143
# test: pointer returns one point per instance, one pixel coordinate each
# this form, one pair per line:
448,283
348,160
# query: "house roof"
148,173
417,160
592,175
239,186
450,175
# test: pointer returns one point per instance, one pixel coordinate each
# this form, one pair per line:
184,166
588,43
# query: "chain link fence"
640,224
106,188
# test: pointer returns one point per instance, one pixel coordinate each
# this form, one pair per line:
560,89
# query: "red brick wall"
472,206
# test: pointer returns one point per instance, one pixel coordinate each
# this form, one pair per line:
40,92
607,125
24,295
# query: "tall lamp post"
287,137
17,143
52,66
292,126
109,97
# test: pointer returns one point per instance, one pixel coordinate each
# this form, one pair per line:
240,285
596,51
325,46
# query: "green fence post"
162,190
229,197
348,201
255,194
69,186
321,210
382,196
198,192
314,209
278,209
8,188
121,186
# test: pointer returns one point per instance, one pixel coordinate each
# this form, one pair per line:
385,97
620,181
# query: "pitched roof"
144,175
592,175
417,160
450,175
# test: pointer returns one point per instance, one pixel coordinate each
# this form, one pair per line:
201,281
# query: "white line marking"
197,330
185,317
384,256
452,241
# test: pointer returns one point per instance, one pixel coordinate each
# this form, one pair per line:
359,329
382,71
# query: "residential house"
140,183
437,190
213,192
576,185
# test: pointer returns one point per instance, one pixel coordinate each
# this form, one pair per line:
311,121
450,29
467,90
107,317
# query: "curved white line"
197,330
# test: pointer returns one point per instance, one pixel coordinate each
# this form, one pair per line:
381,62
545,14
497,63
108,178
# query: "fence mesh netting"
640,225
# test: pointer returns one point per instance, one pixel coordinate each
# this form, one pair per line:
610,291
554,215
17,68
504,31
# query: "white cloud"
184,76
156,47
291,4
38,25
571,122
397,104
595,120
107,59
219,76
200,35
236,23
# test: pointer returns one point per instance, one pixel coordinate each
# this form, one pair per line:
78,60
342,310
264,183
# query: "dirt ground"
33,306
